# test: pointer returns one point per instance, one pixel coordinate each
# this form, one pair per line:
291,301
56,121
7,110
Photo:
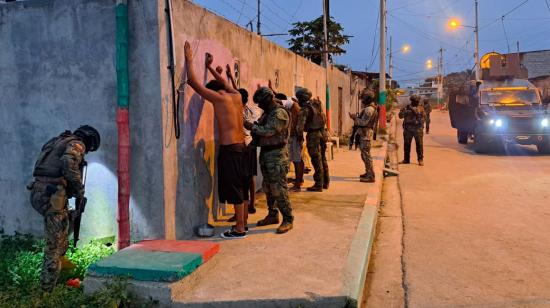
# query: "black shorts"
231,173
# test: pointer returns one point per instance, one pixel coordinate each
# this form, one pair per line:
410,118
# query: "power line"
506,14
373,56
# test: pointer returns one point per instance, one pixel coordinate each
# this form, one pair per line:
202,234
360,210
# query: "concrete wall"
57,72
192,192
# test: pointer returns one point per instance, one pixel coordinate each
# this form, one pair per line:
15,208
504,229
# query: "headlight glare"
544,123
498,123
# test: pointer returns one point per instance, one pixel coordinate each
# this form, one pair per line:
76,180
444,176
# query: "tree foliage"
308,37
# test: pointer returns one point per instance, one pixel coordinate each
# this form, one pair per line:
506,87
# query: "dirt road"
476,227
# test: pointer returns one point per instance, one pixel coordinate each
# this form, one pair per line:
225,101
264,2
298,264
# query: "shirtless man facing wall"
228,110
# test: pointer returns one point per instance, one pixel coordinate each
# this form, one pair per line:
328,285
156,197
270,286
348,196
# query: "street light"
429,64
455,23
406,48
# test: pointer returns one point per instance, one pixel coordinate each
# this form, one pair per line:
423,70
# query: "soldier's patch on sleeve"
282,115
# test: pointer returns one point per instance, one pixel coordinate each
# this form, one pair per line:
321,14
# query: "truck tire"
480,146
544,147
462,136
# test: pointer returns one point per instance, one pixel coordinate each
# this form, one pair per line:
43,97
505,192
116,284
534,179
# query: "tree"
308,37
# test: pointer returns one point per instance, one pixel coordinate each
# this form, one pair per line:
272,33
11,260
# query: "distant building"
537,64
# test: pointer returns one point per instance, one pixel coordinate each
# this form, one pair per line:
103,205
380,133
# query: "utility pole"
440,78
325,53
476,55
382,78
391,62
259,23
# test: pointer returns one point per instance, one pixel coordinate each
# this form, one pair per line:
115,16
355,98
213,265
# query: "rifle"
80,205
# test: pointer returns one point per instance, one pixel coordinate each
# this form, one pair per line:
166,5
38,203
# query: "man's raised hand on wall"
208,59
228,71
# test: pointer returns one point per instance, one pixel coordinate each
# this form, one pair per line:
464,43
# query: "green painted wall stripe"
122,55
328,98
382,98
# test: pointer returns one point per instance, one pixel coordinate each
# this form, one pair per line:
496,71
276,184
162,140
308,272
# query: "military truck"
501,108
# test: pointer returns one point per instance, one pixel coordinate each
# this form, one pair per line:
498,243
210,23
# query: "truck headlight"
544,123
498,123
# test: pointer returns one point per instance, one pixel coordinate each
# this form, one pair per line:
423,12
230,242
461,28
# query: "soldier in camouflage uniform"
365,123
58,177
413,127
271,134
427,110
312,120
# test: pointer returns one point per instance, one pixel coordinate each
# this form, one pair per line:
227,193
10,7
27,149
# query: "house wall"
57,72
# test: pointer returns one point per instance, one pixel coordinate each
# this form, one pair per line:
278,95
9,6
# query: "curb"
357,264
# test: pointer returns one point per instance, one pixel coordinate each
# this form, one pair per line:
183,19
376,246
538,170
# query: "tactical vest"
413,121
276,140
49,161
316,119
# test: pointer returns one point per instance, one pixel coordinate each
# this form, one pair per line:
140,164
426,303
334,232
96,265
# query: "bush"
88,255
20,267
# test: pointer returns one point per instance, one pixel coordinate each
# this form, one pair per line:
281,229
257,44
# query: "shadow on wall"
196,170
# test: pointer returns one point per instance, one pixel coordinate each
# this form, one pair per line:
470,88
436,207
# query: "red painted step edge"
204,248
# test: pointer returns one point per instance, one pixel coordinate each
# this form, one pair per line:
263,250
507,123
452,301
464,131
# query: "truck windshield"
509,97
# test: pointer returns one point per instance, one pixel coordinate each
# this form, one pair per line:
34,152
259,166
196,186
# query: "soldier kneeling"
58,177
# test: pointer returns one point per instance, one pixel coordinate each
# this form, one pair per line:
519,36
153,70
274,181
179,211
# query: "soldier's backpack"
48,163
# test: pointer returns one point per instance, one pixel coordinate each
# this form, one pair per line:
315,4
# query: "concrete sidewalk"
321,262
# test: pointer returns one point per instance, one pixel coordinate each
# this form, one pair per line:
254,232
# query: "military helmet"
367,96
90,136
303,95
263,94
415,98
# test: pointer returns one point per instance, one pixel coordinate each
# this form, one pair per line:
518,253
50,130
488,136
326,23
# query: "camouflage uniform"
413,127
57,178
365,123
271,133
312,120
427,111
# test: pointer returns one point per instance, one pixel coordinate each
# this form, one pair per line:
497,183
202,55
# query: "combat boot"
421,162
296,188
404,162
268,220
315,188
284,227
325,185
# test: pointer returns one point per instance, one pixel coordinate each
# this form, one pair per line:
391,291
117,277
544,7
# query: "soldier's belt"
314,130
46,179
273,147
